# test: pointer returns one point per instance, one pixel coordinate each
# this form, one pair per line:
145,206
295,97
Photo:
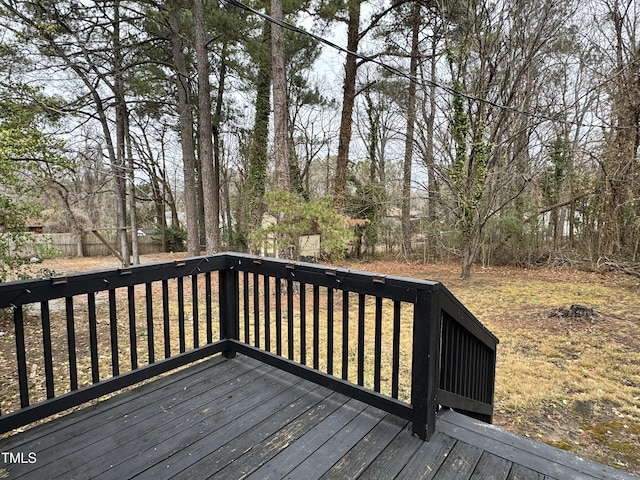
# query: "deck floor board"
241,418
172,417
206,416
428,458
354,463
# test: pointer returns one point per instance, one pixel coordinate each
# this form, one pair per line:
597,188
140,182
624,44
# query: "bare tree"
620,165
496,57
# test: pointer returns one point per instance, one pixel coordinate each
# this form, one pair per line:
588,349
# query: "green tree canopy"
27,153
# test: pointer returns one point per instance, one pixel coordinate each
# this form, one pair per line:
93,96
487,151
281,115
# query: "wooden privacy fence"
65,243
406,346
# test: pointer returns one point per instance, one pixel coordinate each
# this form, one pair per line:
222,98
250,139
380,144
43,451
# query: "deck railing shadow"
406,346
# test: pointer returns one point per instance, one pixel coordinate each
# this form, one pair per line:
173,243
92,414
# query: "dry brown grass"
570,382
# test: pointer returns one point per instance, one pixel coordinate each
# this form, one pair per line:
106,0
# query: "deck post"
229,306
425,362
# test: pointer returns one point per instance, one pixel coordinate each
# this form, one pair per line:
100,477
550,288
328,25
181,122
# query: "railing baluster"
473,371
267,313
256,311
290,342
133,341
245,306
480,369
377,345
165,319
361,316
479,373
113,333
21,356
476,372
181,326
278,296
451,345
395,370
471,358
487,380
93,337
208,306
457,365
445,364
345,334
150,336
47,350
330,331
458,359
464,360
194,310
303,323
71,343
455,349
482,374
316,326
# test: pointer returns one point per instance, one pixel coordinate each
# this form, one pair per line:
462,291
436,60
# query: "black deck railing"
406,346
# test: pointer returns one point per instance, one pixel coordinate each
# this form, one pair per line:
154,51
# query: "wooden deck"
240,418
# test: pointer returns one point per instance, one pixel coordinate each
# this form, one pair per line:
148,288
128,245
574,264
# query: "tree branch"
562,204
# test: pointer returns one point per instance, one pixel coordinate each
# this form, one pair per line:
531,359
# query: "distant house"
34,225
147,232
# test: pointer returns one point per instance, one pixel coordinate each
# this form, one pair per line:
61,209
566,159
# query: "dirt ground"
572,381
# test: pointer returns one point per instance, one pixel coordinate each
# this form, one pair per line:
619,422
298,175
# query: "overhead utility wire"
398,72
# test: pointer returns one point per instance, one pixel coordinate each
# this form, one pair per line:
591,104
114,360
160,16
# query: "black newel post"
425,362
229,307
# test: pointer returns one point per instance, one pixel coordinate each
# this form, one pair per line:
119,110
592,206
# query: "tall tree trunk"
470,246
186,132
432,183
133,207
348,99
254,186
121,114
210,187
428,108
224,185
167,196
280,104
411,120
217,119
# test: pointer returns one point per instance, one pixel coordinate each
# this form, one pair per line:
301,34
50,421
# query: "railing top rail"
387,286
454,307
36,290
21,292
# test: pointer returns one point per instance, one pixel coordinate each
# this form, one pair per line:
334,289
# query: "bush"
294,218
176,238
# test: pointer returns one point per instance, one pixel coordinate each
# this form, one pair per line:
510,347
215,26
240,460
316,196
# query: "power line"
400,73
